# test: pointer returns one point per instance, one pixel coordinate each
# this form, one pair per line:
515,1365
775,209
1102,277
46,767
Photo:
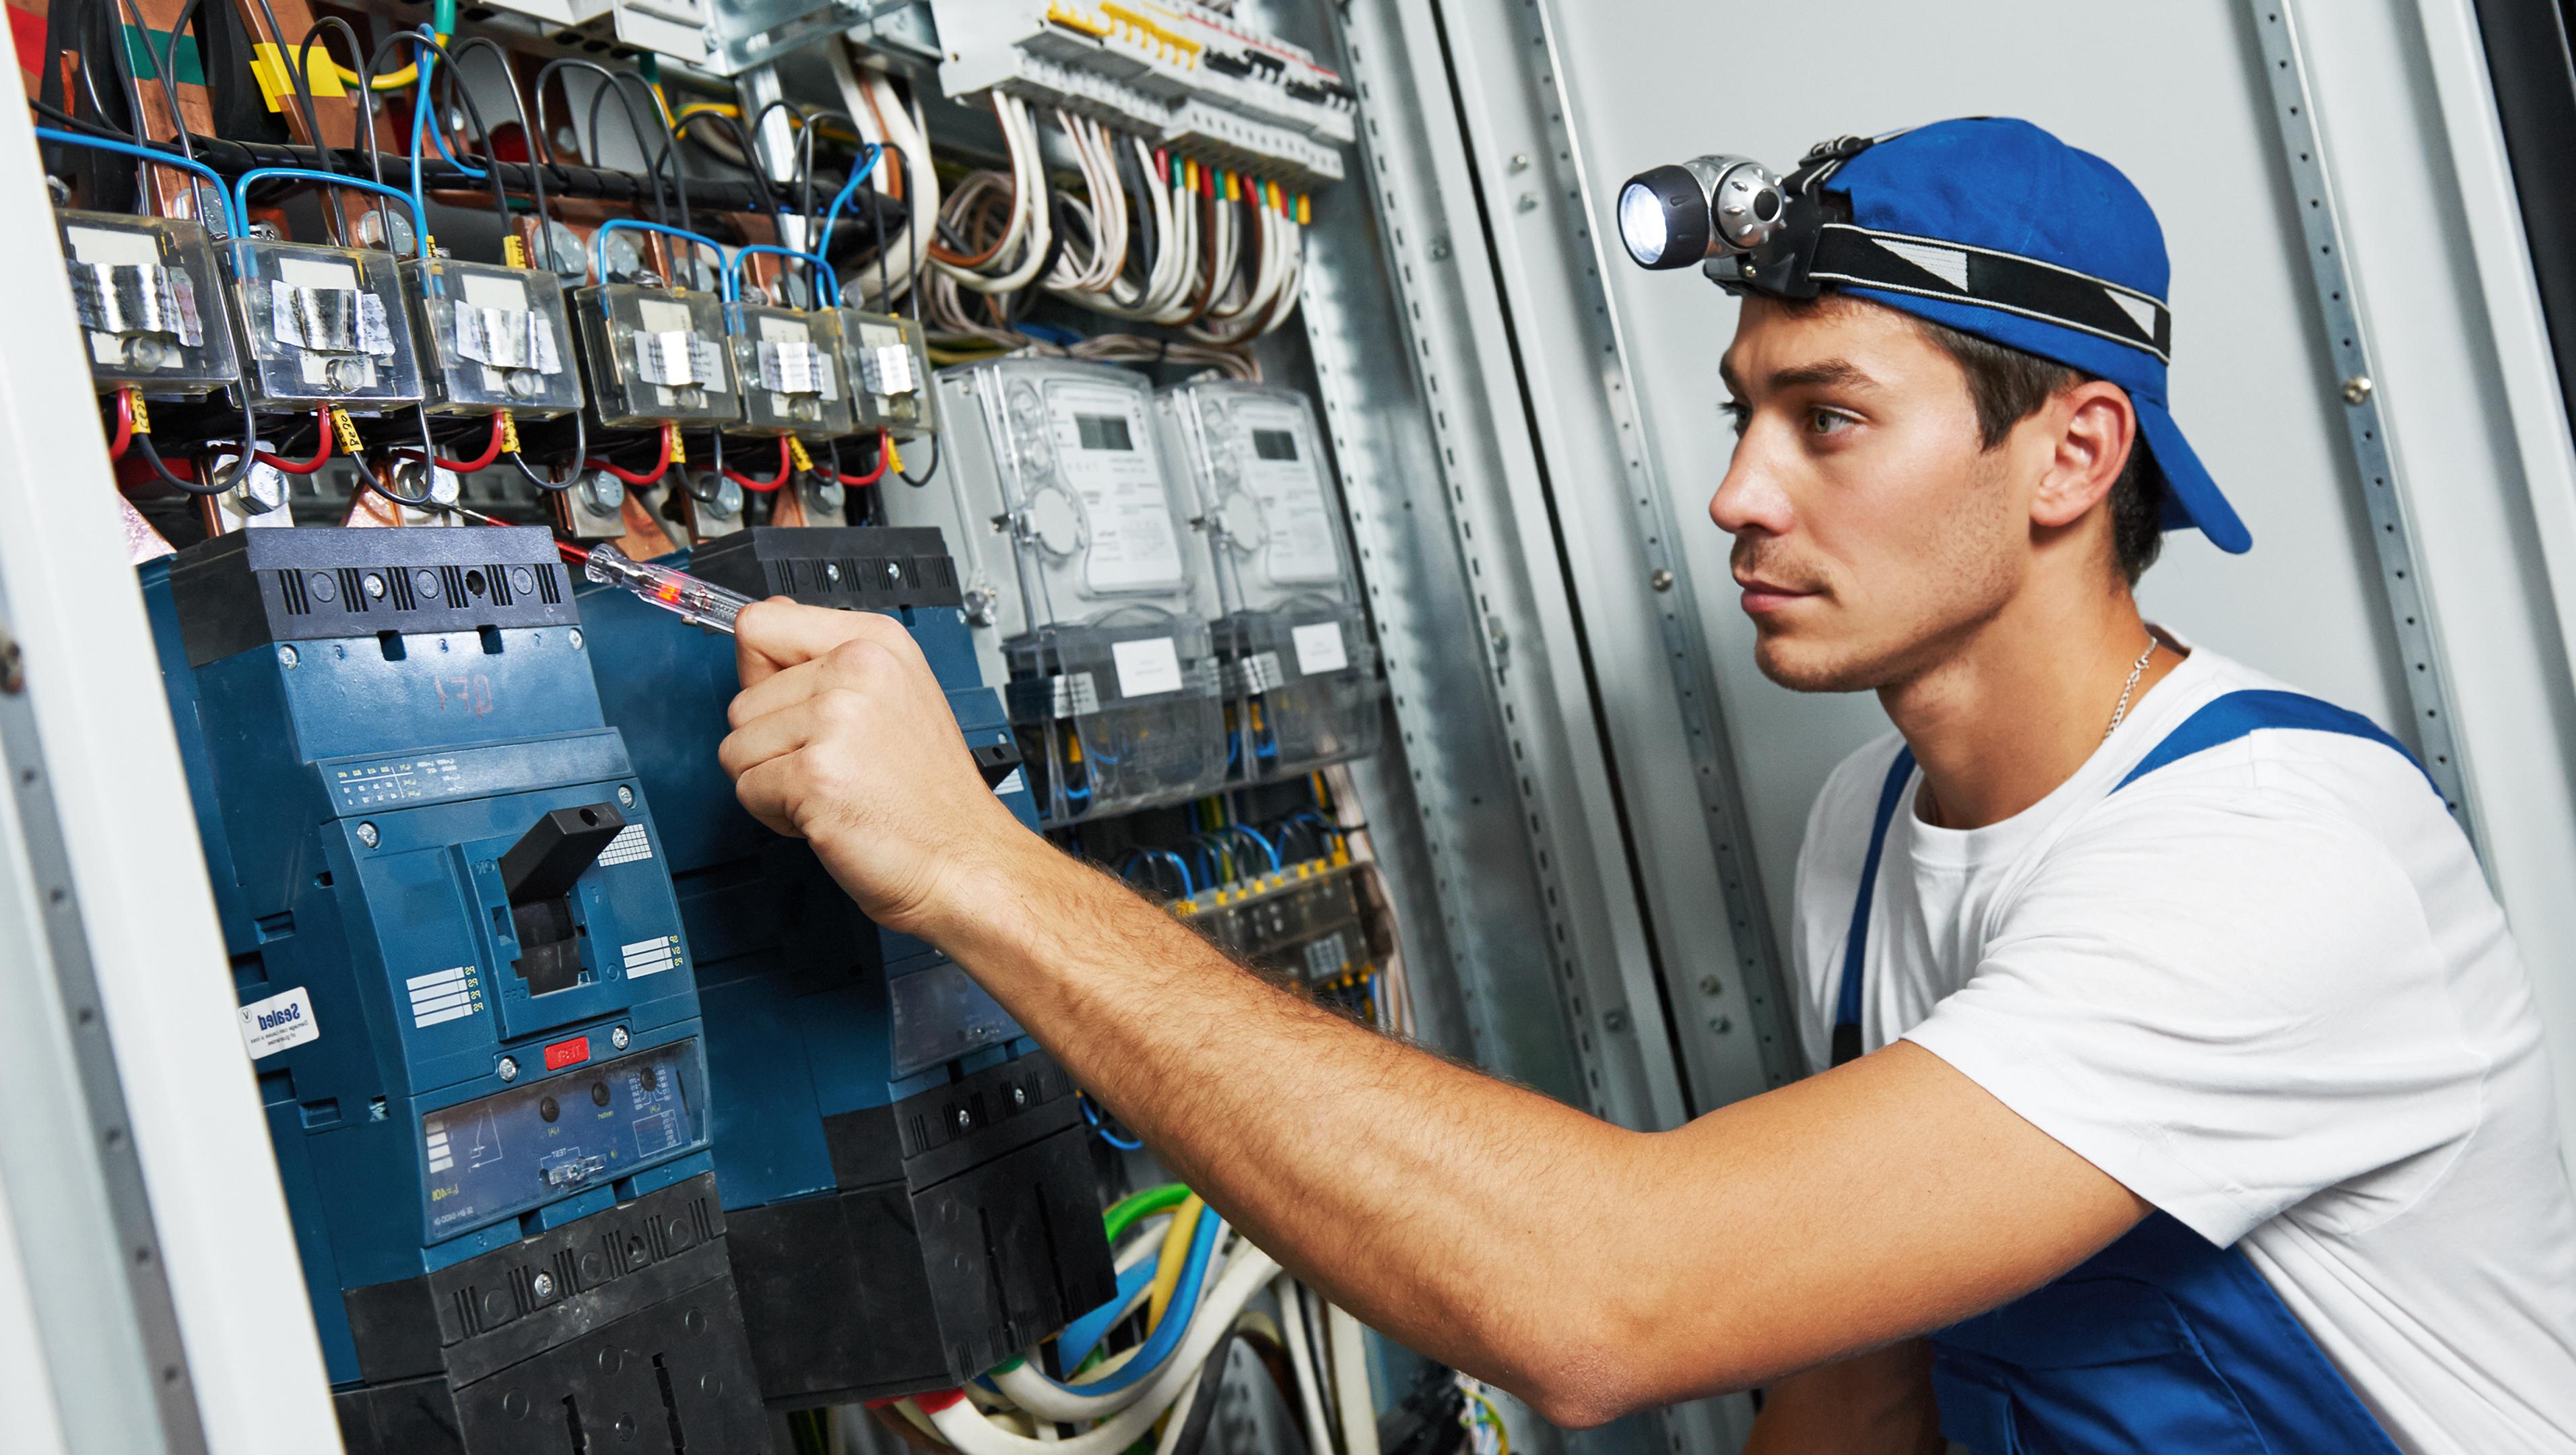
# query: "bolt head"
1662,580
1711,985
965,1120
2356,389
367,834
543,1285
619,1038
1615,1022
1019,1096
1528,202
508,1069
625,796
1520,161
287,657
1721,1025
574,636
604,493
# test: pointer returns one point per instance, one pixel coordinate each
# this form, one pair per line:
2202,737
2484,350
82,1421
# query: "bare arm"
1589,1269
1879,1403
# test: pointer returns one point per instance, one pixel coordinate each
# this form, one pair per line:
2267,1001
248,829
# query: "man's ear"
2096,429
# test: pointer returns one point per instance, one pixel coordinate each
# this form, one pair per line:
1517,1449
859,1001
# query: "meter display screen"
1135,545
1274,444
552,1138
1298,546
1103,432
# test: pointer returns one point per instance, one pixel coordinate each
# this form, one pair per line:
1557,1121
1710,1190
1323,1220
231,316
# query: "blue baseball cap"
1993,196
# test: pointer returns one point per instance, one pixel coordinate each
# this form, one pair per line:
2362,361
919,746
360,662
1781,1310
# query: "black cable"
161,65
536,173
312,117
580,459
759,175
590,153
1194,1427
670,151
366,87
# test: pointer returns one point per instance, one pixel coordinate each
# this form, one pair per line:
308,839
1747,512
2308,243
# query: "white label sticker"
650,957
629,846
1010,784
270,1026
1286,474
1319,648
1105,450
1147,668
444,995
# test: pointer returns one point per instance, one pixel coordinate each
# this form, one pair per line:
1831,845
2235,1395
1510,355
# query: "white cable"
965,1427
1149,1236
1034,1392
1292,1332
1180,1416
1350,1382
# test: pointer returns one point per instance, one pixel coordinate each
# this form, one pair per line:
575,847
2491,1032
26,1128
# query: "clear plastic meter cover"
1300,673
655,356
150,300
493,337
1115,685
322,325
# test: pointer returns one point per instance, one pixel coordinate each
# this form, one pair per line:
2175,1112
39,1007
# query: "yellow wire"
794,121
1494,1417
390,81
1176,1251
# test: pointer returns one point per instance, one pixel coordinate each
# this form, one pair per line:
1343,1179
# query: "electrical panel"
887,362
1321,924
149,297
1184,74
903,1171
1074,545
655,356
322,326
493,337
791,364
465,985
1301,673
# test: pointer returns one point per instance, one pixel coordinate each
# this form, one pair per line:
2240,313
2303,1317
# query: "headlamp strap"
1821,162
1858,257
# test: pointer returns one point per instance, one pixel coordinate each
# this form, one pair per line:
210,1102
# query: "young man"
2176,1072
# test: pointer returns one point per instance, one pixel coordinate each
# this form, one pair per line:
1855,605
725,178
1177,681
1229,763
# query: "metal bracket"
2410,606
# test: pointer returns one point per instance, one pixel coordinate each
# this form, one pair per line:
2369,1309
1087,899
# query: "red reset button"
567,1053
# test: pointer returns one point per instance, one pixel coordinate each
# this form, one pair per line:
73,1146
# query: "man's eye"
1737,415
1829,421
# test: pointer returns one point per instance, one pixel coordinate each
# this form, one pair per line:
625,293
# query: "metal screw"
367,834
965,1120
287,658
1528,202
2356,389
1019,1096
574,636
1615,1022
1520,161
1439,250
625,797
604,493
1721,1025
1711,985
619,1038
1662,580
13,667
375,585
509,1068
543,1285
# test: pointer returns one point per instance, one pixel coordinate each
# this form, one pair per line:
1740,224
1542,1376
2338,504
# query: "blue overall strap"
1856,943
2162,1341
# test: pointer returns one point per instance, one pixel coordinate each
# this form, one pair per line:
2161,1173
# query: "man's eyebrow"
1825,373
1726,373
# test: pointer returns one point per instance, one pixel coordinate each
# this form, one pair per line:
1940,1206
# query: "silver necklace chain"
2137,668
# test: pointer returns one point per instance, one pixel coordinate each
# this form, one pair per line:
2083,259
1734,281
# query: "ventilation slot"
940,570
550,585
498,578
290,591
400,581
353,591
451,585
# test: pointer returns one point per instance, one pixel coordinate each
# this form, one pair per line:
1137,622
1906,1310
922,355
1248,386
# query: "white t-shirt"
2267,989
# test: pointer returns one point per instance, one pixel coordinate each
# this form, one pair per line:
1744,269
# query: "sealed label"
1147,668
270,1026
1105,451
886,369
668,359
1319,648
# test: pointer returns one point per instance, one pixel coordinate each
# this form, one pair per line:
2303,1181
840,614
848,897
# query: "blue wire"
419,219
731,275
232,214
1123,1144
849,189
1177,1314
1189,888
1085,1333
1263,840
599,241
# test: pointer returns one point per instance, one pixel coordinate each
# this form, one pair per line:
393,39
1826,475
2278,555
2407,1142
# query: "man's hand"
843,737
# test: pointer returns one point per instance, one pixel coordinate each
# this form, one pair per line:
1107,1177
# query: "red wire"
571,552
124,425
786,467
491,452
321,456
632,477
873,476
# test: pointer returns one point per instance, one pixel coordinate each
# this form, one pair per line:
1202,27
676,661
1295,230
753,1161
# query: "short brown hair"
2008,386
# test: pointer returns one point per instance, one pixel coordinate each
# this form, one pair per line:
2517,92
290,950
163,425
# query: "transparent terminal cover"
492,338
149,296
322,325
794,378
655,356
1301,677
1074,554
888,368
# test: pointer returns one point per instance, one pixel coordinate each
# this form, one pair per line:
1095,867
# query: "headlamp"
1743,225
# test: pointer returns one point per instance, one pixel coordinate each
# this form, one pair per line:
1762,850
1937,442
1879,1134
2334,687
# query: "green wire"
1135,1207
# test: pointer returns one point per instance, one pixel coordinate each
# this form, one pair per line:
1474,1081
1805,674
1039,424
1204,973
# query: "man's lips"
1761,596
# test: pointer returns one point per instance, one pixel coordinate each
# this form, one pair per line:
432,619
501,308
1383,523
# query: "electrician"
2178,1083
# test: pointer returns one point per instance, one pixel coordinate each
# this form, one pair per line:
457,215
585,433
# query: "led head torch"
1743,226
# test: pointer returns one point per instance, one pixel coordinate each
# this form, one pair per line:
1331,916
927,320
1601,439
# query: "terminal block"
492,338
467,990
904,1173
887,361
1322,924
655,356
1301,674
149,296
791,363
321,325
1083,580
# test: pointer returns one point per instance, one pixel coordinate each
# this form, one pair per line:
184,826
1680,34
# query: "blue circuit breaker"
466,988
904,1173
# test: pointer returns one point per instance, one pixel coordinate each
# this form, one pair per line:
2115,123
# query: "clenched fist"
842,736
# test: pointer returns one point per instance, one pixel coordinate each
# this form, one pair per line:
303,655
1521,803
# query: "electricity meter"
789,361
493,338
144,289
655,356
888,365
322,325
1076,567
1301,677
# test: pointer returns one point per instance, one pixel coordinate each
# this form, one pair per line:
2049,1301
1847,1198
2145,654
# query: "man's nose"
1749,500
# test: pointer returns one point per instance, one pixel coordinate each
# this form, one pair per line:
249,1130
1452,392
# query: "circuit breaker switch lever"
550,856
